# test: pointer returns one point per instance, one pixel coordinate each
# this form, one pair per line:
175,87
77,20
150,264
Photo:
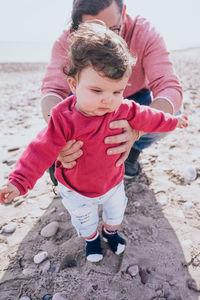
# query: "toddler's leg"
113,212
114,240
84,217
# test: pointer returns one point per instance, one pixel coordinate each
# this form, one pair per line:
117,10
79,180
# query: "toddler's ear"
72,84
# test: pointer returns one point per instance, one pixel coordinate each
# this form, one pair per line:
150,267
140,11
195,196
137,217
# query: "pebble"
192,285
18,203
53,269
169,295
189,174
138,187
41,256
61,214
188,204
25,298
144,276
59,296
45,266
136,203
13,149
47,297
9,228
28,272
133,270
187,242
180,214
126,276
50,229
52,210
9,162
162,198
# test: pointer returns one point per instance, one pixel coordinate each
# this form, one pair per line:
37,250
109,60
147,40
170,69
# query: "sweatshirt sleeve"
39,155
144,118
55,81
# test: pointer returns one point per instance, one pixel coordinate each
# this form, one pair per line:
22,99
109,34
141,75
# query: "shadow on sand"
152,245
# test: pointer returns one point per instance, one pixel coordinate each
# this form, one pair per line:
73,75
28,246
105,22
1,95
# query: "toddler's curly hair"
97,46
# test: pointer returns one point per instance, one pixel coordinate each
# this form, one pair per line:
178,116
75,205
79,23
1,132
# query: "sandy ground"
161,224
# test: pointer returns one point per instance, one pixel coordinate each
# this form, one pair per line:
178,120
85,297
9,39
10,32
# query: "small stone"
61,214
159,292
28,272
190,174
9,162
47,297
50,229
169,295
188,205
192,285
180,214
18,203
59,296
144,275
137,188
53,269
162,198
41,256
133,270
187,242
13,149
173,282
45,266
9,228
25,298
136,203
126,276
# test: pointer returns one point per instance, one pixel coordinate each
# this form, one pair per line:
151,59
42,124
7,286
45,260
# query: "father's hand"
70,153
126,138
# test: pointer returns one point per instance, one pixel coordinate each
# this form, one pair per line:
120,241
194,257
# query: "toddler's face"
97,95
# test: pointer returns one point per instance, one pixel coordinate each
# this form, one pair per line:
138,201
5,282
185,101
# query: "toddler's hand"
182,121
8,193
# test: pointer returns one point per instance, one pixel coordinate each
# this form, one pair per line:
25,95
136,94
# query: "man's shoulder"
139,25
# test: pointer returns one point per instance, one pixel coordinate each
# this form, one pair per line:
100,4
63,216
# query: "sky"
43,20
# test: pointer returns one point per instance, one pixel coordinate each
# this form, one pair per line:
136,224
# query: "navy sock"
93,248
115,242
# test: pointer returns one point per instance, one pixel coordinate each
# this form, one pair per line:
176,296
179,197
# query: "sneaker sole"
95,257
128,176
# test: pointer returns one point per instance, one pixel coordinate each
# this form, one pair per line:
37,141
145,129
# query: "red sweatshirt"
95,172
153,69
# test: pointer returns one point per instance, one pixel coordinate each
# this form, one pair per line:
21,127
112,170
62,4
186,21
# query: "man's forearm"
47,103
163,105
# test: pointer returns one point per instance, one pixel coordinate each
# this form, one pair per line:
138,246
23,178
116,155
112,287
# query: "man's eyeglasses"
116,29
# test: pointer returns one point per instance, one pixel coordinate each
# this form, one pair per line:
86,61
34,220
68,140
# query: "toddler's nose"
107,100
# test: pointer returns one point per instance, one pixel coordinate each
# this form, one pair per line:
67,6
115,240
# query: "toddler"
98,70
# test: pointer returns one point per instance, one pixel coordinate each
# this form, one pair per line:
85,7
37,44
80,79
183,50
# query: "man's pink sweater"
153,70
95,172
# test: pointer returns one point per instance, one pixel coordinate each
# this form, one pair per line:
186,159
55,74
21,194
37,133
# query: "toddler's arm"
8,192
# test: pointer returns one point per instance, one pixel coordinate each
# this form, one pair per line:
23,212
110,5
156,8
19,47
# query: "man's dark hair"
94,45
90,7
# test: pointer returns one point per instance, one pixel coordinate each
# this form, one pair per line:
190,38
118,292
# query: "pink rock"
144,275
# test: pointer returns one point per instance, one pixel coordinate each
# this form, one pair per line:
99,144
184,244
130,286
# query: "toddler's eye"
116,93
96,91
